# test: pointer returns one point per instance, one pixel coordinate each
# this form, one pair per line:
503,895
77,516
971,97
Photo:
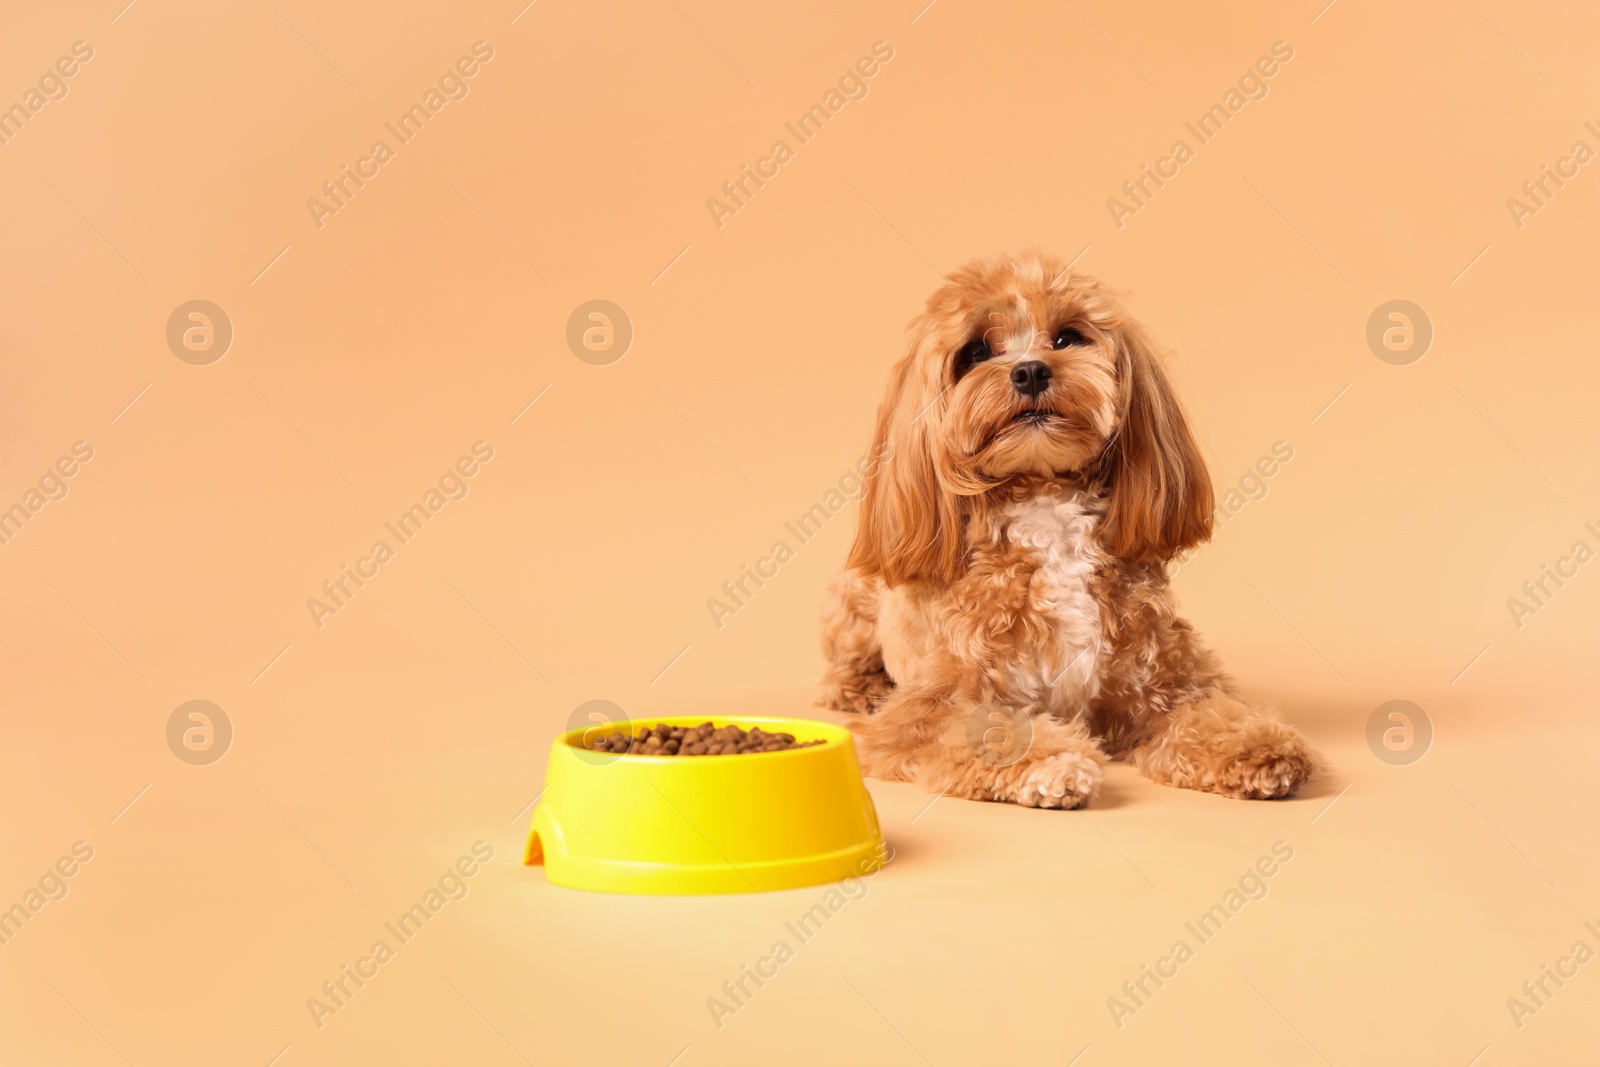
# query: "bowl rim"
836,734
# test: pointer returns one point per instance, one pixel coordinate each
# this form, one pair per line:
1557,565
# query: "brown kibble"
702,740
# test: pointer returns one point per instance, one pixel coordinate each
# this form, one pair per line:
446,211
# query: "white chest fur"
1059,532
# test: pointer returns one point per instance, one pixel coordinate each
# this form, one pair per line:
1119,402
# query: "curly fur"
1013,554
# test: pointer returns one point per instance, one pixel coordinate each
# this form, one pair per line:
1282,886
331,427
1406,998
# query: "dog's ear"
911,525
1161,499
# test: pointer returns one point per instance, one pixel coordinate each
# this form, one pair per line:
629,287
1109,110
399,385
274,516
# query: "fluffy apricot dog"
1004,621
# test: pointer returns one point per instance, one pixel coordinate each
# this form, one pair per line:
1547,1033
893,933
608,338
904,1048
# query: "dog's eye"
974,351
1068,337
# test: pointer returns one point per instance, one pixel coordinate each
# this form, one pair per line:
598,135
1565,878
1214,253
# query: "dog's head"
1019,368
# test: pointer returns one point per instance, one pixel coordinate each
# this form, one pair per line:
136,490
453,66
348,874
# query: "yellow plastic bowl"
706,824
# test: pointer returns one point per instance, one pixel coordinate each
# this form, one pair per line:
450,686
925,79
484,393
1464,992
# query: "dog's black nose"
1031,378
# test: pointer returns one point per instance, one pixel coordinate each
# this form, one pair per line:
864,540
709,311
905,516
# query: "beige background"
370,353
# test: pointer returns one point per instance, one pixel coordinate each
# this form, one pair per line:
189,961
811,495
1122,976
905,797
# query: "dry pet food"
702,740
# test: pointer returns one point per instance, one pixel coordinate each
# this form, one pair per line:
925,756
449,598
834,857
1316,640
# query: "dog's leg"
1219,744
855,678
981,751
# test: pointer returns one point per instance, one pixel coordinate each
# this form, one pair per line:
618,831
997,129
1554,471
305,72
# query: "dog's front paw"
1267,772
1064,780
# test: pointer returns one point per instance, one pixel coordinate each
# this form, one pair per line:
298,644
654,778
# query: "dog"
1004,622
